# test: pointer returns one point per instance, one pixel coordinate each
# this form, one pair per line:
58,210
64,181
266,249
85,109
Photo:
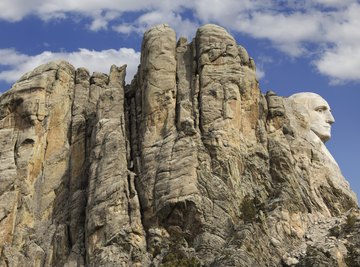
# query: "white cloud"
183,27
287,32
17,64
14,10
341,64
334,3
98,24
101,19
125,28
343,27
10,57
260,73
331,27
261,61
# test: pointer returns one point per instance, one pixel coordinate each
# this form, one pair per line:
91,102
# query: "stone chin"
323,132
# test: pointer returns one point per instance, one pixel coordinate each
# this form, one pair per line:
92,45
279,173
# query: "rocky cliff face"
190,165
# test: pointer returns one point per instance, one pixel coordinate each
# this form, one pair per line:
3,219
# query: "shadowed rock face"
190,165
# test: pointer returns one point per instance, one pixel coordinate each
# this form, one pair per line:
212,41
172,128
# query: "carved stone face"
320,118
317,111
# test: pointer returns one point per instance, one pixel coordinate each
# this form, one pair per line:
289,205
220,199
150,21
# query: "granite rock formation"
189,165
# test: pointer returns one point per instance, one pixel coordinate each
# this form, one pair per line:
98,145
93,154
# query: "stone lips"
190,165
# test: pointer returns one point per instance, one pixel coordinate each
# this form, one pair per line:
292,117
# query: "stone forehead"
305,98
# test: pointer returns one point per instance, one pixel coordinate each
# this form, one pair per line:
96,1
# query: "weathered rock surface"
190,165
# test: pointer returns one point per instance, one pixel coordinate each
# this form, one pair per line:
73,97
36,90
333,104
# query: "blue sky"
305,45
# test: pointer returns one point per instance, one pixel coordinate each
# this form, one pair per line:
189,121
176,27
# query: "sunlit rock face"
315,111
311,115
190,165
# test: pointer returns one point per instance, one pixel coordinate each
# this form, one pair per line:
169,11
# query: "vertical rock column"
155,102
228,118
163,137
229,97
78,167
37,112
114,233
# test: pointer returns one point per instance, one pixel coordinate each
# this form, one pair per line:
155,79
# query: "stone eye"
320,109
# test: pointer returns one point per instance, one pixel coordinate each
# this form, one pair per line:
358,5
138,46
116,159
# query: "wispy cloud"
330,27
17,64
184,27
340,64
261,61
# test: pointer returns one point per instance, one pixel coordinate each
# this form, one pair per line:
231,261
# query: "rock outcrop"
190,165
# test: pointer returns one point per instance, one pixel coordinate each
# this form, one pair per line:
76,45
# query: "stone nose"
330,118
